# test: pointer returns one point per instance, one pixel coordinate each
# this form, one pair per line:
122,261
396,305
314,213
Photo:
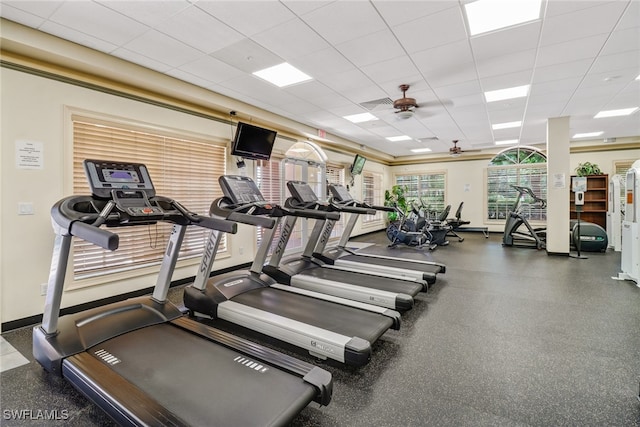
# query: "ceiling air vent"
370,105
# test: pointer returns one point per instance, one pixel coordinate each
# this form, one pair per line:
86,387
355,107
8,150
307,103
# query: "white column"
558,186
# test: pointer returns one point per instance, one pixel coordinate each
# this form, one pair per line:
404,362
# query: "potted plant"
587,168
396,197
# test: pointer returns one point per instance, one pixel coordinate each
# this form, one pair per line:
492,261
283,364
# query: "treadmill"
141,360
343,255
306,272
325,326
339,259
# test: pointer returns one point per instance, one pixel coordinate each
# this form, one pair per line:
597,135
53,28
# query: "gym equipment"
615,211
418,269
141,360
516,218
458,224
593,238
309,273
630,262
325,326
343,258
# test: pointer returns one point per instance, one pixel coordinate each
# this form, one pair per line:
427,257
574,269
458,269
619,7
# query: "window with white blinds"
183,169
335,175
426,190
269,182
373,195
523,166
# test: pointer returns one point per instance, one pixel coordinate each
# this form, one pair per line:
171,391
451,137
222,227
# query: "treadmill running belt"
366,280
396,263
323,314
204,383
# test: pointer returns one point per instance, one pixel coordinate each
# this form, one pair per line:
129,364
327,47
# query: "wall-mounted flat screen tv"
253,142
358,165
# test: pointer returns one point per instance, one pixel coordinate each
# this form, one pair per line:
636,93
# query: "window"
270,185
335,175
373,195
184,169
524,166
428,189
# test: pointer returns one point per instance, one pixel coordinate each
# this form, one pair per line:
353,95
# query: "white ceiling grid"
583,56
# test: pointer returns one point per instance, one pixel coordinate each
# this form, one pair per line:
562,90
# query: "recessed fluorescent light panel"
491,15
616,113
507,125
507,142
359,118
282,75
399,138
587,134
508,93
421,150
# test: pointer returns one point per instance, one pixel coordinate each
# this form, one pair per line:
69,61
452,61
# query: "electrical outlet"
43,288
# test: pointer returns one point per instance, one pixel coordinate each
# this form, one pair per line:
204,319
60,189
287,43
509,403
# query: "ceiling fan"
456,151
405,106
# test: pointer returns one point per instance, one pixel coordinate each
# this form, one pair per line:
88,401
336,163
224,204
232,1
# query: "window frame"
370,221
119,272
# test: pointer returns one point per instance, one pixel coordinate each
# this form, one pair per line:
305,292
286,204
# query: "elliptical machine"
513,236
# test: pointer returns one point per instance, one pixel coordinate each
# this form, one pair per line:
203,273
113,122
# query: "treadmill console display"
340,193
105,176
302,191
240,189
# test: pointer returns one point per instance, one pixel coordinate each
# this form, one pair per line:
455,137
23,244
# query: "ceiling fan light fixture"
404,114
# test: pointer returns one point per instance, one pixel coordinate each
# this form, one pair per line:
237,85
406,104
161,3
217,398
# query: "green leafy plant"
396,197
587,168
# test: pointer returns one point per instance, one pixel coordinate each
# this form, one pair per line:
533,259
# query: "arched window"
524,166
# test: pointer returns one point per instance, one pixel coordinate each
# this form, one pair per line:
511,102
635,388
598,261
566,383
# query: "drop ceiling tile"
616,61
341,21
503,81
567,86
248,56
180,74
561,71
200,30
446,76
148,12
504,64
631,16
571,50
71,34
582,23
325,63
430,31
511,40
401,11
248,17
627,40
98,21
162,48
140,59
555,8
210,69
302,7
290,40
41,9
625,75
371,48
20,16
443,58
396,69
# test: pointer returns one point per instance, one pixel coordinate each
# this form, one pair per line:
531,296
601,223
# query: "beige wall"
37,109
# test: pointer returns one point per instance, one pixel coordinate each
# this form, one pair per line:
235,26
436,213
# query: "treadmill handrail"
350,208
248,213
294,208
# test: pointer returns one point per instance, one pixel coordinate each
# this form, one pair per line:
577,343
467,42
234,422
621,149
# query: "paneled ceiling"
580,58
